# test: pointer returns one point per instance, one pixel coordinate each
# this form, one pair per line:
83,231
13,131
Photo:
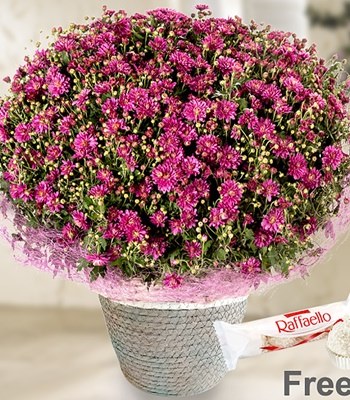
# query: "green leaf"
243,103
82,263
103,243
87,202
220,254
207,246
64,58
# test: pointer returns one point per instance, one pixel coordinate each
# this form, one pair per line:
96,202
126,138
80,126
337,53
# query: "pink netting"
45,249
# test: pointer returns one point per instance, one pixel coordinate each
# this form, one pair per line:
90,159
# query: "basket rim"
174,305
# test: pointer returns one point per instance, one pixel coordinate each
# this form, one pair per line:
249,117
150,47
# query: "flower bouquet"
174,164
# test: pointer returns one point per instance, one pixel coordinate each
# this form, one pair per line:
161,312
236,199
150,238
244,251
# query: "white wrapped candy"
276,333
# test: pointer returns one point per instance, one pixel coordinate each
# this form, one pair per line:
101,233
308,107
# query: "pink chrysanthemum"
155,248
20,191
273,221
172,280
195,110
80,220
226,110
158,218
193,249
231,190
297,166
312,179
98,260
270,189
58,84
251,266
263,238
22,133
164,177
69,233
332,157
98,191
42,192
84,144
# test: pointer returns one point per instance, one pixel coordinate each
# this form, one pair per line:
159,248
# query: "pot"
170,348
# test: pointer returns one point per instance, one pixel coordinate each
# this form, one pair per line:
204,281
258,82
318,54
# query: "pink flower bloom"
67,167
264,128
58,83
85,143
4,137
131,226
193,249
189,218
172,280
22,133
53,202
228,65
188,198
110,106
293,84
310,226
20,191
98,191
80,220
42,192
213,42
155,248
114,126
81,99
218,217
195,110
183,61
284,149
191,166
271,92
33,87
158,218
169,142
232,191
113,231
226,110
158,44
273,221
97,260
69,233
229,158
201,7
207,146
142,190
41,123
66,124
105,176
312,179
332,157
263,238
297,166
270,189
164,176
251,266
53,153
113,253
176,226
248,220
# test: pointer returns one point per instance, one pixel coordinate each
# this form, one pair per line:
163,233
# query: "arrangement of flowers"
163,146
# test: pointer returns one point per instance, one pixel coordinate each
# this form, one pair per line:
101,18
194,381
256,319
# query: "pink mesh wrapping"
46,250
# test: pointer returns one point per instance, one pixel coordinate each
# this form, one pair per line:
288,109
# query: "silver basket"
170,348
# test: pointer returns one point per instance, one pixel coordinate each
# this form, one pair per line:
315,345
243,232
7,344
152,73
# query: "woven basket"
170,348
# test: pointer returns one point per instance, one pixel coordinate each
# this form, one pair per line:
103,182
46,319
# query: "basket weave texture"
170,348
